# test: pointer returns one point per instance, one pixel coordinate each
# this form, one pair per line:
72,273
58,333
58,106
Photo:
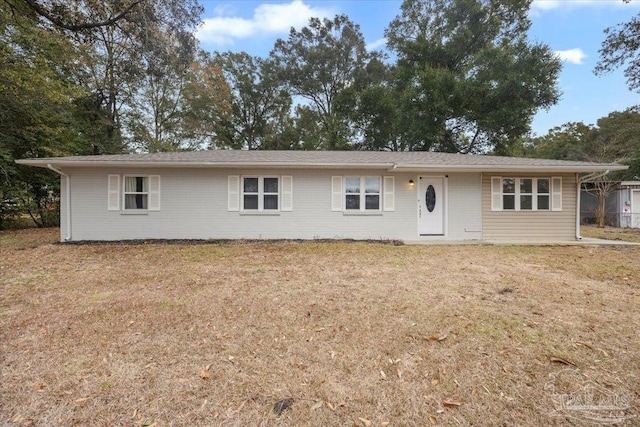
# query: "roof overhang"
398,167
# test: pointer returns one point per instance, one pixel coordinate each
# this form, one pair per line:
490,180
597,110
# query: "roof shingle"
321,159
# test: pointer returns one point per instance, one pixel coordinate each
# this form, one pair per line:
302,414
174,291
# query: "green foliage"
467,78
317,63
82,82
614,138
621,47
37,93
260,116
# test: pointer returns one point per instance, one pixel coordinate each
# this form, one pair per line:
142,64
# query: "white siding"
195,206
465,206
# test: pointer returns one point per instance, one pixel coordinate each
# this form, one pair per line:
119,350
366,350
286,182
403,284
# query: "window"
133,193
269,194
136,192
525,194
260,193
362,193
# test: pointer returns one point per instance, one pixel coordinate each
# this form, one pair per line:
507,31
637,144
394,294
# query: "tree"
317,63
373,109
38,90
153,41
70,15
622,47
613,140
469,78
181,100
260,106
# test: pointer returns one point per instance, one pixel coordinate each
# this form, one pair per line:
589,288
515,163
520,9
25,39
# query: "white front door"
431,205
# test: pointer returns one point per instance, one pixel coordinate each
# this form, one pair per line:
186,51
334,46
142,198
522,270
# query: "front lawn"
353,334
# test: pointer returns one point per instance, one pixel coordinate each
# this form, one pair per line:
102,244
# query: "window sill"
362,213
524,210
259,213
135,212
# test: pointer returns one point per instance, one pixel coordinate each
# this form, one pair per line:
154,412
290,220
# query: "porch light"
411,182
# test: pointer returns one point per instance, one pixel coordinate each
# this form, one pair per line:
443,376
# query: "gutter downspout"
68,199
586,178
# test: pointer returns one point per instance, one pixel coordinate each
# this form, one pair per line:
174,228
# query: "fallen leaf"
205,374
317,405
365,421
385,423
383,375
231,358
330,406
282,405
208,367
442,337
149,422
82,399
433,419
434,382
561,360
474,392
451,403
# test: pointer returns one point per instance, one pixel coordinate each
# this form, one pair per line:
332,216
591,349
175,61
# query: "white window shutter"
556,193
389,201
233,193
113,193
154,192
286,195
336,193
496,193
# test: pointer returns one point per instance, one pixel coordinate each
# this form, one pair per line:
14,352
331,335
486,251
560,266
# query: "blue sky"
572,28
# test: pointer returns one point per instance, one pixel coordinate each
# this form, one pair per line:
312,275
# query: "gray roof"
405,161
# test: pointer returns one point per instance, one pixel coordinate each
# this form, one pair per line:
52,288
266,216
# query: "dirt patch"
312,333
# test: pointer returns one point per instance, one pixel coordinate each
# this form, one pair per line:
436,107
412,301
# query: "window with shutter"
525,194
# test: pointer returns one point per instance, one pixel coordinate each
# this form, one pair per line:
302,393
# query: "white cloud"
542,5
268,18
376,44
573,56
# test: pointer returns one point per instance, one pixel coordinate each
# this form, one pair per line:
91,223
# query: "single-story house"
409,196
622,206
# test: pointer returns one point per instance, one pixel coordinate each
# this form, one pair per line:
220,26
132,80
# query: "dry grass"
356,333
611,233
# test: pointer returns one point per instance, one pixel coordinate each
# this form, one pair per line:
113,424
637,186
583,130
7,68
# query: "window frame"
362,193
143,193
260,193
518,194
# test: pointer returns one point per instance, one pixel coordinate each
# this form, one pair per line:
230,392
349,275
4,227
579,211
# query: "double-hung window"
526,194
362,193
260,193
136,192
133,193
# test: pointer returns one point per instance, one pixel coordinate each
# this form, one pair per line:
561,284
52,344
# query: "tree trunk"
601,210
